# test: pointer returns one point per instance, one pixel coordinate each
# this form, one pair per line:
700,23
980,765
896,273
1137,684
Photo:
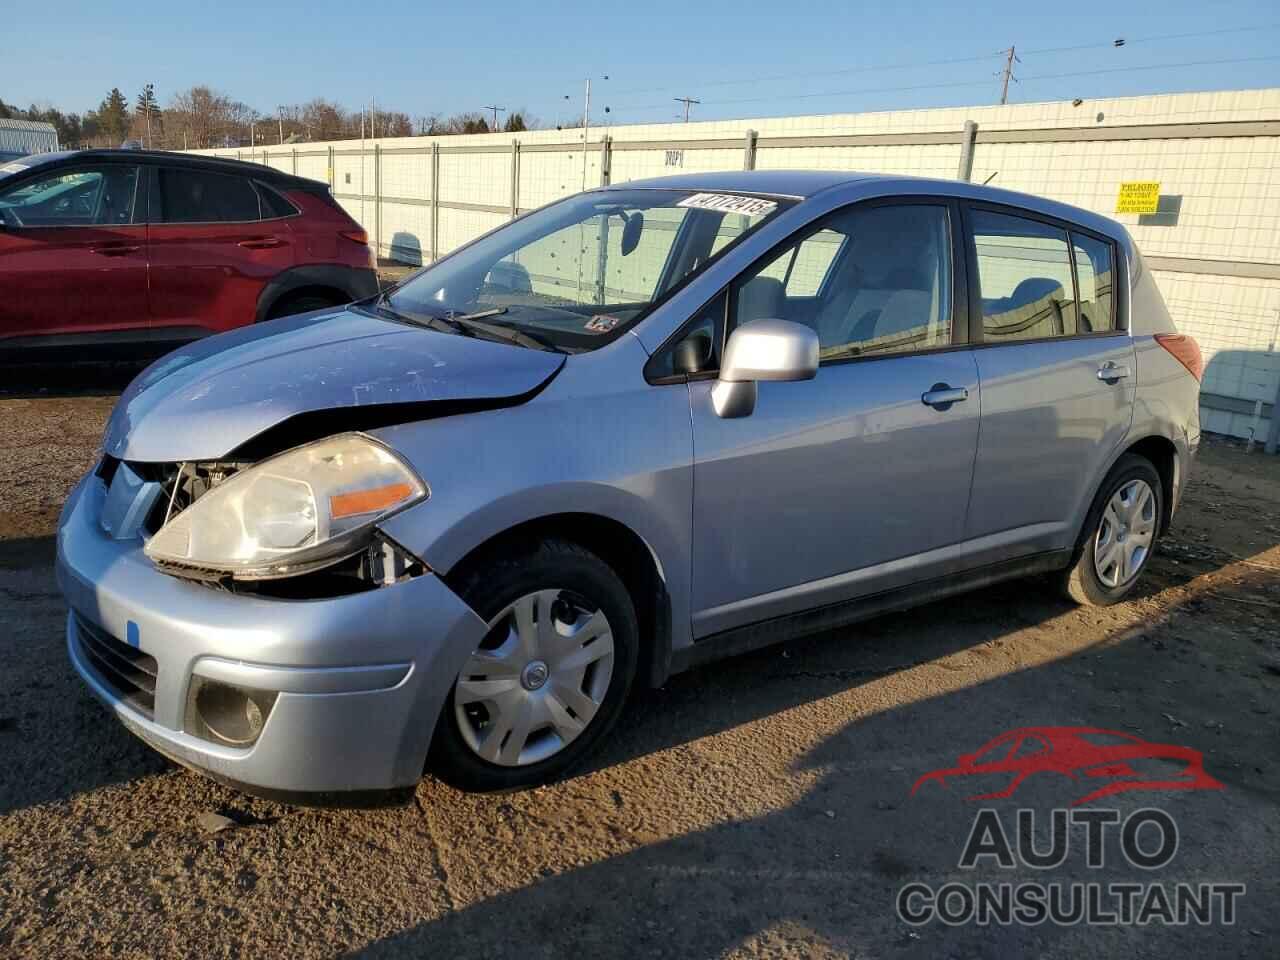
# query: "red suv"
127,246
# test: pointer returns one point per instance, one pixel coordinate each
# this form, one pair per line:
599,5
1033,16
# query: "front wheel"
550,676
1119,534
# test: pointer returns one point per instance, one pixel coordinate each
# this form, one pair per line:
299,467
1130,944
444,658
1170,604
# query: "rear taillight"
355,236
1185,349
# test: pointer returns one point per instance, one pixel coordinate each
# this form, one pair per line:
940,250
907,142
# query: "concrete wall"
1214,247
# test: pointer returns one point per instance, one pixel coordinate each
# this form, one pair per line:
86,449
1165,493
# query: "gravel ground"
758,807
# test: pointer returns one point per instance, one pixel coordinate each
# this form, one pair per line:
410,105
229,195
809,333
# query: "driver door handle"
941,396
1111,371
115,249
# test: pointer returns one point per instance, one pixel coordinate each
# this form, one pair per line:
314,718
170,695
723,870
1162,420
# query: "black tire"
1080,582
293,305
489,587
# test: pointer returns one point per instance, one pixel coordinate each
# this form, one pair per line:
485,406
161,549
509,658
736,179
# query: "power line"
821,73
1125,41
1096,45
496,111
1152,66
964,83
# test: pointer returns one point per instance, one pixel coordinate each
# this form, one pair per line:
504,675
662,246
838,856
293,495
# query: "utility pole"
586,123
688,102
496,111
151,98
1011,58
280,116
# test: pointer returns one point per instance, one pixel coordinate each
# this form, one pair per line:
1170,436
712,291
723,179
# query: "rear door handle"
1111,371
115,249
261,243
941,396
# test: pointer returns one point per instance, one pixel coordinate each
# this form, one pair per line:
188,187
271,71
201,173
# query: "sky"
740,58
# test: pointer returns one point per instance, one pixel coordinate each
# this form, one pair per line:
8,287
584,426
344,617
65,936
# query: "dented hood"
213,396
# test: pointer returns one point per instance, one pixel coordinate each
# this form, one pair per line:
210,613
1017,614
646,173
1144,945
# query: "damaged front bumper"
353,684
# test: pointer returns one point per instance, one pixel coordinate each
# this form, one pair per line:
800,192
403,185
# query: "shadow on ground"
823,872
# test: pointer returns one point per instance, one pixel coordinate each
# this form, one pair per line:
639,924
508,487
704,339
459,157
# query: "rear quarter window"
272,204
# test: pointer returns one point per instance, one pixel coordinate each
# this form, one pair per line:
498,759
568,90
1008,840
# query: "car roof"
800,184
187,160
804,184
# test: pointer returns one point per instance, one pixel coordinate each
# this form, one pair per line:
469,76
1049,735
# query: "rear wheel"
1119,534
301,304
550,676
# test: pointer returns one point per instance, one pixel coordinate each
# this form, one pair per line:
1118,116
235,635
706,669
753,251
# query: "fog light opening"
227,713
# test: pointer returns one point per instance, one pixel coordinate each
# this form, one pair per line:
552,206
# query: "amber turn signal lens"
368,501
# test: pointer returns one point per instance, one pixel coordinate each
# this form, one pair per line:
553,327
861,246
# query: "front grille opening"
128,672
107,468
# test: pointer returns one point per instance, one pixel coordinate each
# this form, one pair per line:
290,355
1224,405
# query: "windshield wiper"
470,325
445,323
472,322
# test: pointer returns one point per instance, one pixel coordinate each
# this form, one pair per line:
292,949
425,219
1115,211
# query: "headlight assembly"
297,511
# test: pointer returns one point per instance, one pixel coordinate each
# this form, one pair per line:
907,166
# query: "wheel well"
1164,457
618,546
332,294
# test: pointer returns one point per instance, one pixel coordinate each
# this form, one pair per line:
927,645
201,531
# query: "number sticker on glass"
729,203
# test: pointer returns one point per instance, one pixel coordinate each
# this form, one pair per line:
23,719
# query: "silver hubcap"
1124,537
537,680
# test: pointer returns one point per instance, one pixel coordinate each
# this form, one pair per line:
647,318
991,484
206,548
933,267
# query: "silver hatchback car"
646,426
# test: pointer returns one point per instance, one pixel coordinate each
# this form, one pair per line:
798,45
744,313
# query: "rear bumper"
360,679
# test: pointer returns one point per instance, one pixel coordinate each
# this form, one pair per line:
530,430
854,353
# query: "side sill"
753,636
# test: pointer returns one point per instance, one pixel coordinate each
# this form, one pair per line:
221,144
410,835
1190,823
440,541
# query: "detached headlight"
297,511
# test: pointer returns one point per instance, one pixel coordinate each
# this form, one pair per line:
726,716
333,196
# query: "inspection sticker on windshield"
601,323
728,203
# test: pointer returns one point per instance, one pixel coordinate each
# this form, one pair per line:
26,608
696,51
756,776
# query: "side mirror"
762,350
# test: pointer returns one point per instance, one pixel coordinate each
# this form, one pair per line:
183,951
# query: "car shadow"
1234,383
822,873
71,378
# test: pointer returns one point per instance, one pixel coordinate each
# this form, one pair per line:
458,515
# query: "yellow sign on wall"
1138,197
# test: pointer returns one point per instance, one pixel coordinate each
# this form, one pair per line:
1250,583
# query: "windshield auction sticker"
729,203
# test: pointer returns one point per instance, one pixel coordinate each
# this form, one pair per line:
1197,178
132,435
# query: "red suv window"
195,196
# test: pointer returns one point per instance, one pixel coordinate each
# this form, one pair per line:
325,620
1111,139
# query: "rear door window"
197,196
1024,274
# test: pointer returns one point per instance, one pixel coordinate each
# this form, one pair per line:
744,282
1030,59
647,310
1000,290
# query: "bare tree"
208,118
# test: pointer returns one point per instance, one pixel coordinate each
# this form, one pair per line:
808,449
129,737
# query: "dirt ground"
758,807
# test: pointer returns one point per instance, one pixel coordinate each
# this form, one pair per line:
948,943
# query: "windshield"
578,273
